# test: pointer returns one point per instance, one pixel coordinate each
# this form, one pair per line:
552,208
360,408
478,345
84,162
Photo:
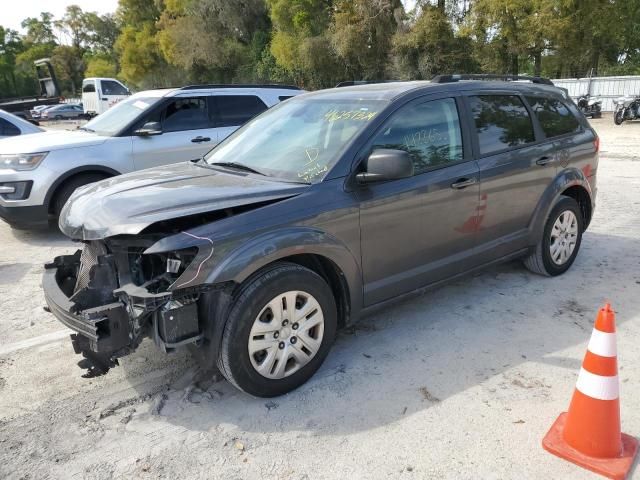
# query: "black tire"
618,117
68,187
540,260
234,361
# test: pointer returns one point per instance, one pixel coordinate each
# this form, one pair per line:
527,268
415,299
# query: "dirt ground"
458,383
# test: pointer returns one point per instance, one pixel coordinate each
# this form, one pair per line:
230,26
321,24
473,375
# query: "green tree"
217,40
137,46
430,47
39,30
69,65
74,24
100,66
11,81
361,35
301,44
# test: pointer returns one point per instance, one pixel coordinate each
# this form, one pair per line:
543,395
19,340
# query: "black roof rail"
239,85
351,83
483,76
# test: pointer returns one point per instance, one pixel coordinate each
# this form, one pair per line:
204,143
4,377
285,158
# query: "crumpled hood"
129,203
49,141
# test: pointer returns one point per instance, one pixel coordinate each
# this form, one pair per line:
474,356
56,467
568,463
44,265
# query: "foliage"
430,47
101,67
318,43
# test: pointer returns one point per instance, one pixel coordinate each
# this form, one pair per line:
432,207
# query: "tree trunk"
13,82
514,65
441,5
537,63
595,59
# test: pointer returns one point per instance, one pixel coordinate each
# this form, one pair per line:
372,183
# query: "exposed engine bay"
114,295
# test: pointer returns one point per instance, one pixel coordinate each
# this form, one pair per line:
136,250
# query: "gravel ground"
459,383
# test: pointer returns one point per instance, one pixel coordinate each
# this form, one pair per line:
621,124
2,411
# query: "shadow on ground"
419,352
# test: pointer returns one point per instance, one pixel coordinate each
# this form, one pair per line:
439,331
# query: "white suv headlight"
22,161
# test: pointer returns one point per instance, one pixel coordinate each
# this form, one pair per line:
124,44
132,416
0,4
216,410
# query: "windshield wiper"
239,166
87,129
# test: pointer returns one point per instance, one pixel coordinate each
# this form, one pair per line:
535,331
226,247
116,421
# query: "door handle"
200,139
544,160
105,99
464,183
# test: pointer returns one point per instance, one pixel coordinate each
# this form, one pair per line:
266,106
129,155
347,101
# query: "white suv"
38,173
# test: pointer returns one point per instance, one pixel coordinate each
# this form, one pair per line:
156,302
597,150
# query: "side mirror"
386,164
149,129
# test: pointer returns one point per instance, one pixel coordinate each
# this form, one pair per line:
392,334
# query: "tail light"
596,144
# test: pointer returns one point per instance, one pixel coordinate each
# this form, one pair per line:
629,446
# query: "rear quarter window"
236,110
554,116
502,122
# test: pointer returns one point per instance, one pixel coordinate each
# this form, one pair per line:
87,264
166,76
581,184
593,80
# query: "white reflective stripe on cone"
597,386
603,344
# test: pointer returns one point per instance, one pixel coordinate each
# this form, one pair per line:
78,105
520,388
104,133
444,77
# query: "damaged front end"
113,295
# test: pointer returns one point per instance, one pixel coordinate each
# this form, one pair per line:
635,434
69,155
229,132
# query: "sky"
12,12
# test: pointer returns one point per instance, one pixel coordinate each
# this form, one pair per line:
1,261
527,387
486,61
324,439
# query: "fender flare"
568,178
275,245
74,171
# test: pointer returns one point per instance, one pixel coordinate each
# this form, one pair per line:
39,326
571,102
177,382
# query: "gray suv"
316,211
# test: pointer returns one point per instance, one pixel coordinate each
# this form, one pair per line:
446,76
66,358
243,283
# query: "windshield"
120,115
299,140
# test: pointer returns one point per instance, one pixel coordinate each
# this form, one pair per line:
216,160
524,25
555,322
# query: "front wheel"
561,239
279,331
618,117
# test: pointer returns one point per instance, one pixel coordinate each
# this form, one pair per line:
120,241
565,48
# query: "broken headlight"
163,267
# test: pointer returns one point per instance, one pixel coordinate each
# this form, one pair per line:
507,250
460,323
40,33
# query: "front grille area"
88,258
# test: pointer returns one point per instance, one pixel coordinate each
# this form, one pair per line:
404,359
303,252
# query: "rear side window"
88,88
235,110
554,116
429,132
502,122
109,87
8,129
185,114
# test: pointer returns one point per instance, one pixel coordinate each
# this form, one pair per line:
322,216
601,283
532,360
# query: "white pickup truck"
100,94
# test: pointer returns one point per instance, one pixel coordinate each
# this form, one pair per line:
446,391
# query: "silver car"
148,129
61,112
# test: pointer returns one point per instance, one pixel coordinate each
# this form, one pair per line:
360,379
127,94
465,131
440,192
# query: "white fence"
606,88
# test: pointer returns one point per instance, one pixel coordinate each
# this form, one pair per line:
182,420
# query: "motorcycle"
627,108
590,106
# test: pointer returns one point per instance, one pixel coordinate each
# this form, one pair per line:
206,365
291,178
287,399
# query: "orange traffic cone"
589,434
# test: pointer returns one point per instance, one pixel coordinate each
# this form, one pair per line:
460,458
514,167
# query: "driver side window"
429,132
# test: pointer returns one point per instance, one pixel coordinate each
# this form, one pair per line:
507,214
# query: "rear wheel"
618,117
561,239
279,331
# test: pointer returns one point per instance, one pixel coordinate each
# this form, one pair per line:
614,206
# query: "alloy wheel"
564,236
